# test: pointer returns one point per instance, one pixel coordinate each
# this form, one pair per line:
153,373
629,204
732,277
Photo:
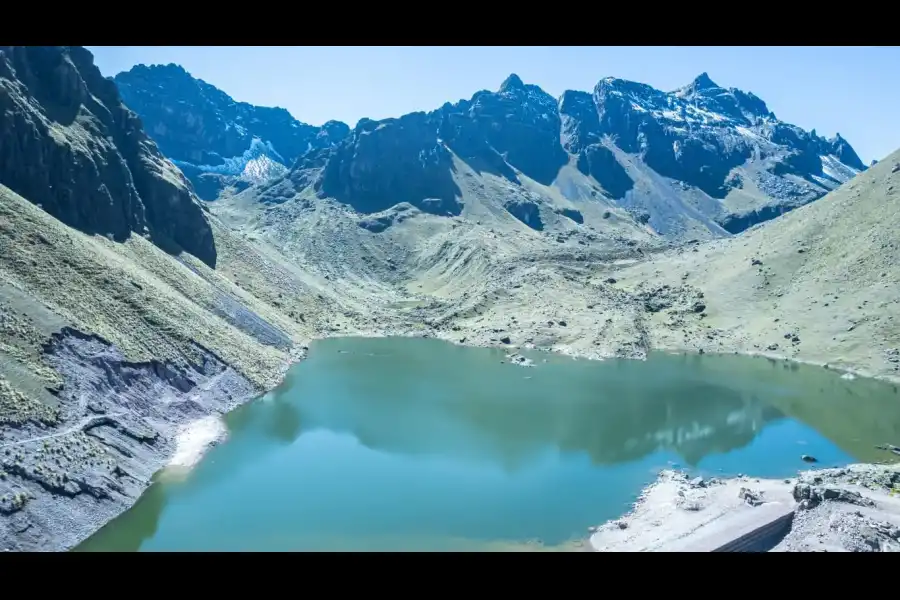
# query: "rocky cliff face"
410,159
216,141
69,145
718,141
701,157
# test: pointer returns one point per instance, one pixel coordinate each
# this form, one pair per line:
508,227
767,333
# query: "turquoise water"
416,444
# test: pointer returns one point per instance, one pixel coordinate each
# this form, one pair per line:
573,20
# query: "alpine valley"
166,252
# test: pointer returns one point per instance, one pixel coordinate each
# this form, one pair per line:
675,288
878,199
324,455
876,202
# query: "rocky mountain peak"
527,100
336,129
171,69
512,83
614,87
841,148
703,82
730,102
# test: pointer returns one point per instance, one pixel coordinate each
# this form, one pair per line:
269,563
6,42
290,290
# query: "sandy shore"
852,509
194,439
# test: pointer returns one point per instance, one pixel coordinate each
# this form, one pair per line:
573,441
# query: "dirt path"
83,424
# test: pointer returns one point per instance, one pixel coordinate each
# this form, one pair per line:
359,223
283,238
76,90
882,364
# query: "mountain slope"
216,141
825,274
69,145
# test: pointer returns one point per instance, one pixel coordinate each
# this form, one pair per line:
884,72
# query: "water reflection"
486,410
132,528
403,400
855,414
283,420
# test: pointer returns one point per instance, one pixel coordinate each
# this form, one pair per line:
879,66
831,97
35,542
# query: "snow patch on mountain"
832,167
262,154
262,169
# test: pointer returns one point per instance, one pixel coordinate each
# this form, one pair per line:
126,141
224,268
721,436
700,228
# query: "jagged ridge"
721,149
700,156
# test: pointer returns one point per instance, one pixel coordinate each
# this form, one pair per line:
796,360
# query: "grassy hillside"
827,273
148,303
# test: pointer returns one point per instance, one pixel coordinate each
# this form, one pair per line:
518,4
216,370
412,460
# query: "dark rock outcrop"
396,214
526,211
572,214
410,159
389,162
738,223
583,137
69,145
215,140
600,163
520,123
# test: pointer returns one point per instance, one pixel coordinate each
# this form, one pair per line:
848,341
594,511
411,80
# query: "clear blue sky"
854,91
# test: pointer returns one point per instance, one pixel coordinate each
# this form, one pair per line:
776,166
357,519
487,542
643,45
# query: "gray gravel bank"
117,424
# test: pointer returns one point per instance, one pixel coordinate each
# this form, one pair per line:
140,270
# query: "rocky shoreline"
116,424
847,509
